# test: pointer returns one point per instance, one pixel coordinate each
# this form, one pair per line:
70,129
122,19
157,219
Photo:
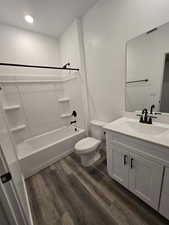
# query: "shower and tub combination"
41,151
44,115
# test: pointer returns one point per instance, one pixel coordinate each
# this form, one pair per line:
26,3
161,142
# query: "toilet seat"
87,145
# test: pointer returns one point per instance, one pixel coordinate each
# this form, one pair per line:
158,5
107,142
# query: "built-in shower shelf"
66,115
63,100
11,107
18,128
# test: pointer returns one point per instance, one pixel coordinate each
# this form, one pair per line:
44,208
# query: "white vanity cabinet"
164,203
145,178
134,169
118,161
138,158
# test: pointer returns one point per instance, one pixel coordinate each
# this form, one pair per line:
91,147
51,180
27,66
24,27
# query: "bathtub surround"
22,113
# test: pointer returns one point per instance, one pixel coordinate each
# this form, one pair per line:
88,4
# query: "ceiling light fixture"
29,19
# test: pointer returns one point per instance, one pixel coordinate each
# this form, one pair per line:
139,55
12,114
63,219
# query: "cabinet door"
145,178
164,203
119,160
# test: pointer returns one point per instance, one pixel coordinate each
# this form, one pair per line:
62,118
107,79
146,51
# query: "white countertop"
157,133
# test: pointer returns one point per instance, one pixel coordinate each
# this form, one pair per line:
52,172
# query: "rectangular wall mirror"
147,71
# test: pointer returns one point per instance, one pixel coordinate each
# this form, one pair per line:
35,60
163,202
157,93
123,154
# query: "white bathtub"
41,151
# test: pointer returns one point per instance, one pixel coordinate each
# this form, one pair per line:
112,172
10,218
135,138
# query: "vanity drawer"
164,203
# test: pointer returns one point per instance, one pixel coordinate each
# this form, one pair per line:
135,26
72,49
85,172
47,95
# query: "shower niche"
66,109
13,112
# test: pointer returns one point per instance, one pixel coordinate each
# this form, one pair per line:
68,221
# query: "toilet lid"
87,145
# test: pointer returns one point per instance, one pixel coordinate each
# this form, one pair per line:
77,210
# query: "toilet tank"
96,129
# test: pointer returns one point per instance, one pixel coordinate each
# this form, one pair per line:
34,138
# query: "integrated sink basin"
156,133
146,129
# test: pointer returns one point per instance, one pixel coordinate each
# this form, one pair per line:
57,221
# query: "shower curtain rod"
36,66
137,81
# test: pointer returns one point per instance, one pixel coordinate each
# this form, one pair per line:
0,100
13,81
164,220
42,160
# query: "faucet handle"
141,118
144,111
150,119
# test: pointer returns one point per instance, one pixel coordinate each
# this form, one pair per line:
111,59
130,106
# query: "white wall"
107,27
25,47
71,50
69,46
146,59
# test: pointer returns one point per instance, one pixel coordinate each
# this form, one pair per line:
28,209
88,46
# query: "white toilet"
88,148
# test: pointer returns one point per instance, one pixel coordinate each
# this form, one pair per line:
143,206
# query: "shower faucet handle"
74,113
72,122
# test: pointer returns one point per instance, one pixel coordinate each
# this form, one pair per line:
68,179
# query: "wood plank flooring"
68,194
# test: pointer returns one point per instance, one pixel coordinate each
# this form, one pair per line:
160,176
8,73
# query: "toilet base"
90,158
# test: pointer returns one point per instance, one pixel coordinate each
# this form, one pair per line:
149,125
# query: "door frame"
9,198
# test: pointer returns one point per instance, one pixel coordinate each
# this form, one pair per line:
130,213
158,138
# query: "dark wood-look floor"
68,194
